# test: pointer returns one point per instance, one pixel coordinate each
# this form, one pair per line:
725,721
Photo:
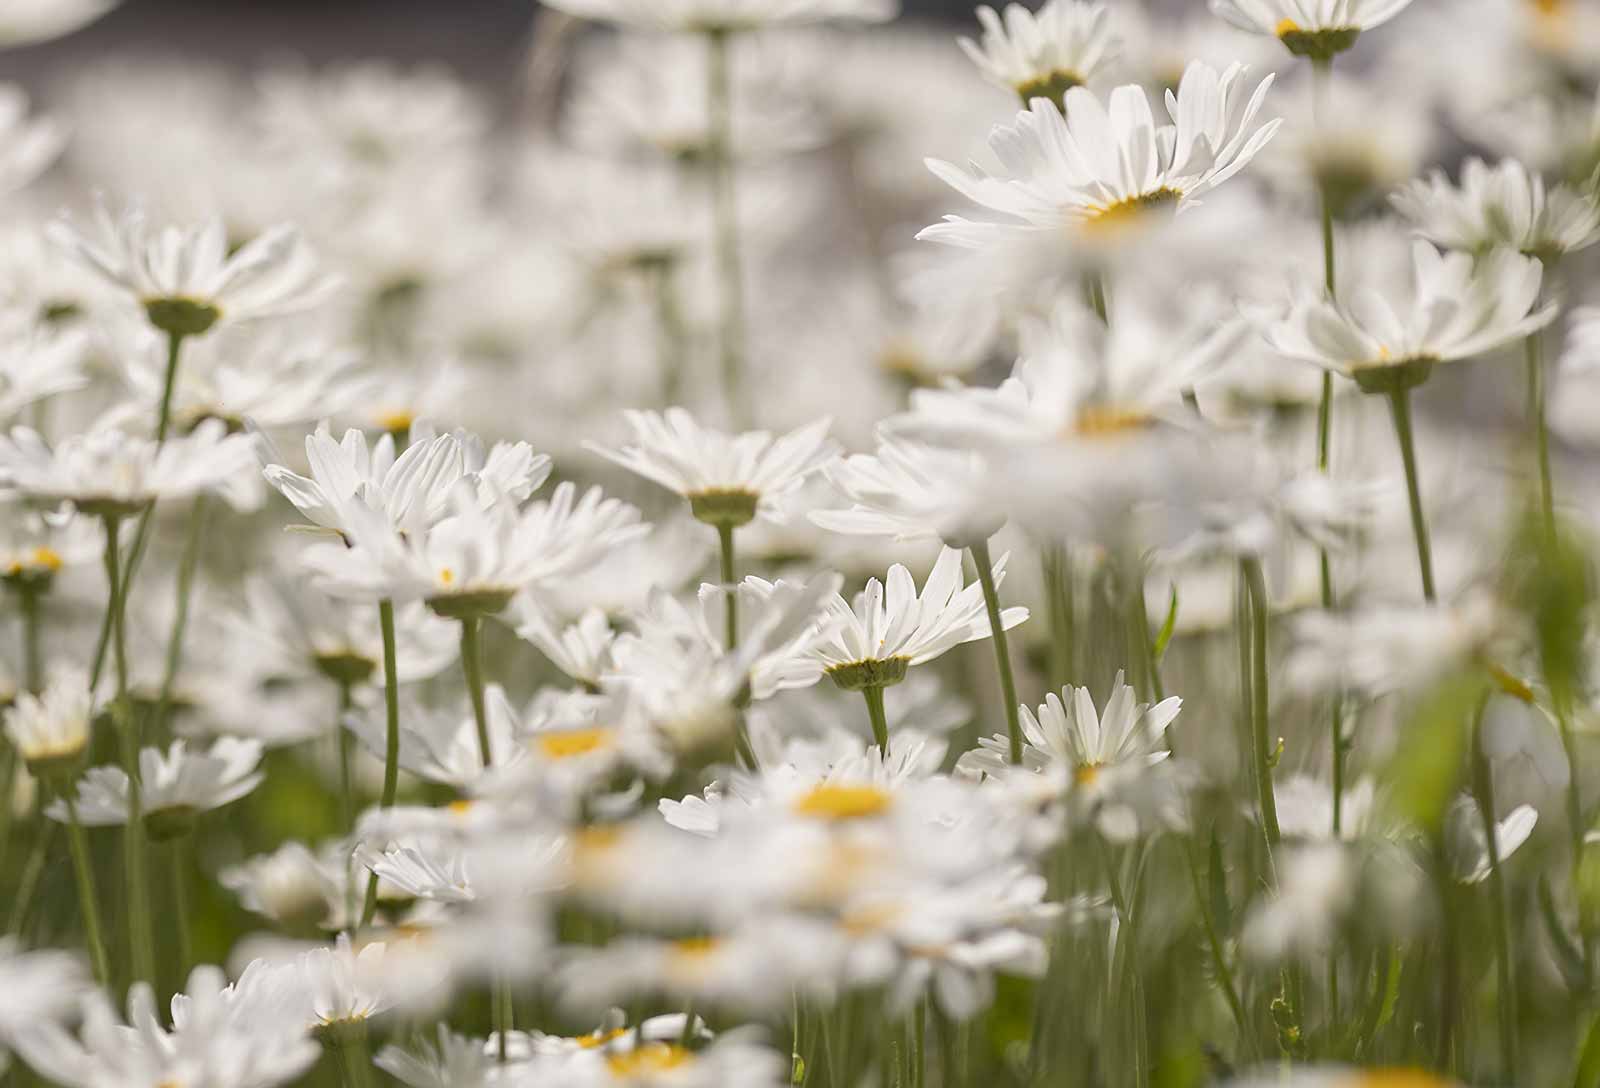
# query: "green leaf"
1424,772
1568,957
1221,909
1168,626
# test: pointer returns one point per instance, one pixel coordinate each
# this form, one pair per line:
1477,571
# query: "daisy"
26,21
474,561
293,886
728,479
175,786
890,626
734,1057
1043,54
187,279
911,490
1457,307
581,649
106,472
30,144
52,729
37,987
441,745
1096,164
726,15
1503,206
39,362
1318,29
1469,847
222,1036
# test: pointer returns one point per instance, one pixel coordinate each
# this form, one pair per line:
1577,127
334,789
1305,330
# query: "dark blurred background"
485,40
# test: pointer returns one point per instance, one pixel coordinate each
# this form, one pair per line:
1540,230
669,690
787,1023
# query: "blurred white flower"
175,786
27,145
1501,206
1065,44
725,15
55,724
1310,28
1469,846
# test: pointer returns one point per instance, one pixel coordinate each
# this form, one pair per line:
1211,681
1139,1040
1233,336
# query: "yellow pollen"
568,743
830,802
46,559
599,1038
695,947
1398,1078
1086,774
867,920
398,419
447,576
1130,208
647,1059
1285,26
596,839
1510,683
1100,421
460,808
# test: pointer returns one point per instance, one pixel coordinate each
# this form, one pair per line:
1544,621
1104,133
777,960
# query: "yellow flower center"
1105,420
568,743
647,1059
46,559
1086,774
397,420
1128,209
599,1038
596,839
832,802
447,576
460,808
1285,26
1398,1078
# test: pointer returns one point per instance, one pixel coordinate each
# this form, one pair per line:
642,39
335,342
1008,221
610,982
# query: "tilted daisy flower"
25,21
474,561
1469,846
733,1058
36,363
441,745
37,987
106,472
1458,307
890,625
1505,206
221,1036
175,786
27,145
726,15
52,728
293,885
1104,163
1092,747
1318,29
912,490
187,279
1305,808
728,479
1043,54
581,649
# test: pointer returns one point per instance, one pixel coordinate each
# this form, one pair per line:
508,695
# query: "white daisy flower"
890,625
106,472
726,15
53,727
478,558
440,876
1383,649
726,478
37,987
457,1061
25,21
1458,307
39,362
1043,54
1310,28
441,745
1305,808
911,491
734,1057
581,649
292,885
29,145
187,279
1502,206
175,786
1469,847
222,1036
1105,163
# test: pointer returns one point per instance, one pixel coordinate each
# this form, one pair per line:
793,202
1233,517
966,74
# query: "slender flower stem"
725,216
32,869
32,660
472,667
670,337
141,947
354,1065
880,720
1058,586
1400,404
503,1020
178,857
729,586
1250,569
78,843
1483,781
347,797
1541,431
391,753
1002,655
168,383
180,615
1096,288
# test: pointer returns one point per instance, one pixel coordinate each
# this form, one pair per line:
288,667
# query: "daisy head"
1318,29
728,479
1043,54
1505,206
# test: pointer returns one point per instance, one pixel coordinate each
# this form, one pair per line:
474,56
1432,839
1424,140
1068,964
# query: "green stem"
391,754
504,1019
472,667
880,720
725,217
32,659
169,382
1219,957
1483,779
178,856
180,616
1400,405
32,870
1058,589
669,328
1541,432
1002,655
141,947
1097,298
1250,569
83,871
354,1065
729,587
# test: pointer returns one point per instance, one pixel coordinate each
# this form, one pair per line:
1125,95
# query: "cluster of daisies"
801,549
